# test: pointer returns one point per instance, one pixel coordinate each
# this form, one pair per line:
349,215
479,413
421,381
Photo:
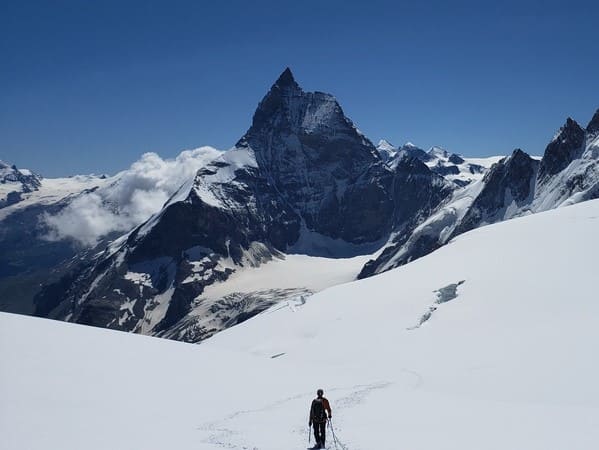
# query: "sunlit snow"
506,363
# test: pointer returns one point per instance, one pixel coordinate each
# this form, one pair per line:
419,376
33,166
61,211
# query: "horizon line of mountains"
302,180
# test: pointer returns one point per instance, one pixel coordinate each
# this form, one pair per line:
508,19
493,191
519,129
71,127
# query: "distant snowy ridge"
128,198
16,182
517,185
451,166
63,222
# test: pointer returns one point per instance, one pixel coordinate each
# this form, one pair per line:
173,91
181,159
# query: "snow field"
508,363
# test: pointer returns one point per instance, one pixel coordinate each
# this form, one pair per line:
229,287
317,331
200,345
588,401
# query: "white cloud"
133,196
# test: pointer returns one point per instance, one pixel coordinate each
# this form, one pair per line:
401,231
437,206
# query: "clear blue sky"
89,86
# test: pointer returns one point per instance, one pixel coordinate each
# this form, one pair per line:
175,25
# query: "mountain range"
303,201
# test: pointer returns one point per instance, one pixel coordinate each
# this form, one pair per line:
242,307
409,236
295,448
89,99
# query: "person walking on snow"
318,418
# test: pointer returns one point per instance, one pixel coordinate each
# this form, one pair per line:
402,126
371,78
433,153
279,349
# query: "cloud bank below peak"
130,199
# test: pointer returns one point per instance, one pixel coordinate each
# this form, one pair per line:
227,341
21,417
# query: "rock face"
566,146
417,192
325,170
569,170
593,126
507,187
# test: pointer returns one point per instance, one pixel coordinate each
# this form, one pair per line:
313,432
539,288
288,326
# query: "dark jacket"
315,407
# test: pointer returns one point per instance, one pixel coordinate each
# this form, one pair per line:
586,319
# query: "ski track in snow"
223,435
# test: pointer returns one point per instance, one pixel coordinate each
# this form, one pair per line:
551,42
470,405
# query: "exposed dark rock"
593,126
417,191
455,159
562,150
416,152
508,183
319,163
446,170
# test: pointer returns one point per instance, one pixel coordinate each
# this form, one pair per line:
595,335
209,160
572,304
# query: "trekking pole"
309,427
333,433
335,440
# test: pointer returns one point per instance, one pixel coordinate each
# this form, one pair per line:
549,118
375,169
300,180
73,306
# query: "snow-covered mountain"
185,248
517,185
485,343
451,166
49,191
27,257
387,151
302,185
64,221
16,182
302,180
457,169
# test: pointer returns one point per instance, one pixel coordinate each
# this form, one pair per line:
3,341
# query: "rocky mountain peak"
280,105
286,79
509,183
571,123
15,182
438,152
314,157
519,155
288,110
411,163
414,151
593,126
566,146
385,145
386,150
570,131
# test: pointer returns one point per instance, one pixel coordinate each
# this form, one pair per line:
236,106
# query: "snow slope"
53,190
311,273
504,361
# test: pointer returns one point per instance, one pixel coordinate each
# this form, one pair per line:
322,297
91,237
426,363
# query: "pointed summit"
571,128
593,126
286,79
276,100
565,147
386,150
570,131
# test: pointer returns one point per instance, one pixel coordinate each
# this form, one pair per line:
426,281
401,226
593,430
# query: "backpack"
318,412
